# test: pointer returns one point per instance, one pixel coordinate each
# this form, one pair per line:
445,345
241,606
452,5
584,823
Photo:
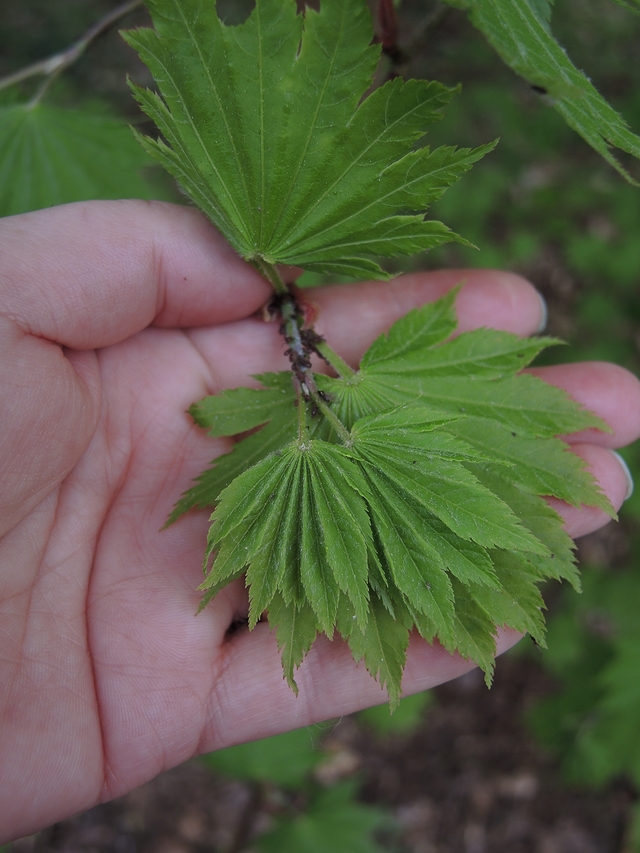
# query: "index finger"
91,274
352,316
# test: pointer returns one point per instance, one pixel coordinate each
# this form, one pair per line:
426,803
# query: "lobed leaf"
517,602
300,531
222,419
542,466
318,580
483,353
338,513
543,521
296,628
425,512
382,644
417,331
524,404
454,495
471,375
252,115
413,564
239,409
475,630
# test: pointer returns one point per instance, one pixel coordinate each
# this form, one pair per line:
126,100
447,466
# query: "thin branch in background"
427,26
51,67
387,34
386,25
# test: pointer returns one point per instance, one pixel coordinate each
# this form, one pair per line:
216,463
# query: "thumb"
83,276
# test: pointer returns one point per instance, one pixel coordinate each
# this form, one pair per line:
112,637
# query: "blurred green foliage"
332,821
306,815
406,717
53,156
69,141
591,721
287,759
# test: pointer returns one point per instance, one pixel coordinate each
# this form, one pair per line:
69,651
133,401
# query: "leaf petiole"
331,357
334,420
301,404
270,272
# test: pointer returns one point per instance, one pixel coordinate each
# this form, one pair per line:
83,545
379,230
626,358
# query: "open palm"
116,317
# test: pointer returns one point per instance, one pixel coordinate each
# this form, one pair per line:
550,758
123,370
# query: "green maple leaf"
265,127
236,411
415,515
406,495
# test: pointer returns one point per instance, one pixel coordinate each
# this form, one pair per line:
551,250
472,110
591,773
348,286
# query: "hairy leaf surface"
239,409
265,127
446,377
426,512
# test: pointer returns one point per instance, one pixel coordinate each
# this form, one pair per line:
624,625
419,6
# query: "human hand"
115,317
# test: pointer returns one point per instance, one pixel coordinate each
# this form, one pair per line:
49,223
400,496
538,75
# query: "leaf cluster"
406,496
422,512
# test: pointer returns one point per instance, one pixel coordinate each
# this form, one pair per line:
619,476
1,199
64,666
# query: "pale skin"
115,317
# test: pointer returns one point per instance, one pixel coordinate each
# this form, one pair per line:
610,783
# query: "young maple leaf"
414,498
426,512
266,127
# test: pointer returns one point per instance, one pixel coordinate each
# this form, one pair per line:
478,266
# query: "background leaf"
285,759
521,36
629,5
409,714
50,155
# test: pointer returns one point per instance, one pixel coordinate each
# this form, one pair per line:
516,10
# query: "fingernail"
544,314
627,474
